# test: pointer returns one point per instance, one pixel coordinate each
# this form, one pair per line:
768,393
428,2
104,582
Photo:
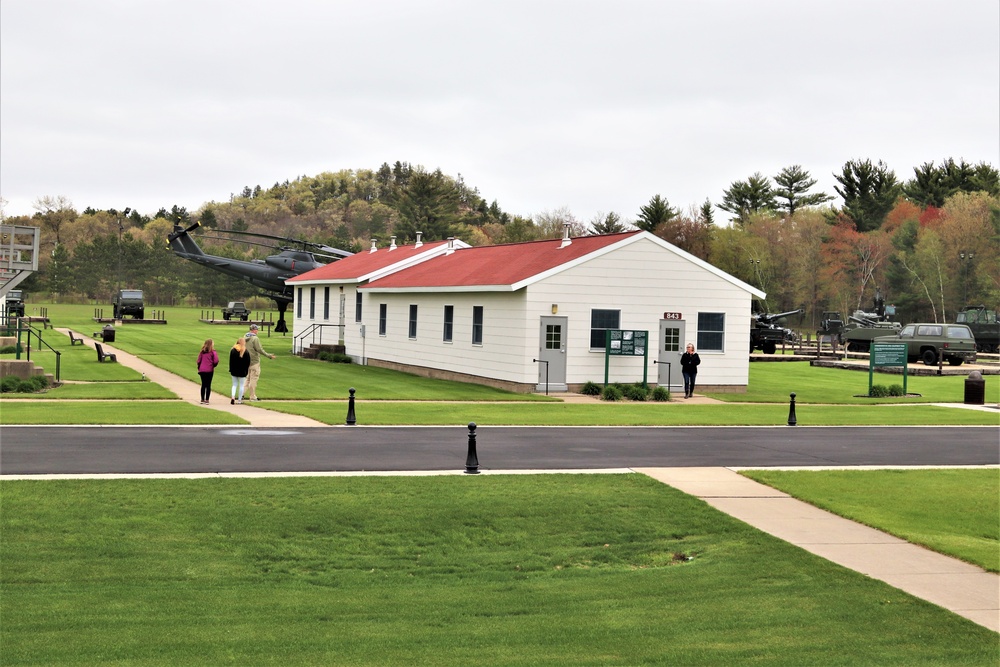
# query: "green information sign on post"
886,355
625,343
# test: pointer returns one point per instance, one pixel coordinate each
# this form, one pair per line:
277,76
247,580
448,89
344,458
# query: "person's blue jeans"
689,382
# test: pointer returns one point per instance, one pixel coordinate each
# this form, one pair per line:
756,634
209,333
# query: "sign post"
886,355
626,343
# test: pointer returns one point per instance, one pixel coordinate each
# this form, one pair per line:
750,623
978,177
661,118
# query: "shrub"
611,393
879,391
15,385
636,392
896,390
661,394
591,389
334,357
8,349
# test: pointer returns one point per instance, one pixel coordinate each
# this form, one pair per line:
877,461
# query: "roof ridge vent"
566,240
451,245
392,243
374,245
419,242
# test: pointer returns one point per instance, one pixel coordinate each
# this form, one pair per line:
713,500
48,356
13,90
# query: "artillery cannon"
857,333
765,334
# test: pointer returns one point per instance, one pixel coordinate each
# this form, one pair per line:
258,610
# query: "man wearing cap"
256,350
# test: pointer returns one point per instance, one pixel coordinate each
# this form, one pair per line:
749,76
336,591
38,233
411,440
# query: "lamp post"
966,258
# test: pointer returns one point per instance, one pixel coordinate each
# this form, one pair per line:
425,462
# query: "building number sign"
673,316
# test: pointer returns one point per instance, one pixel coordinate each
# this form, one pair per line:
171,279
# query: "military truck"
128,302
984,325
237,310
766,335
15,303
953,343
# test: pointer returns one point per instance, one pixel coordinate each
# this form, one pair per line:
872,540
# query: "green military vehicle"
985,327
15,303
929,342
128,302
236,310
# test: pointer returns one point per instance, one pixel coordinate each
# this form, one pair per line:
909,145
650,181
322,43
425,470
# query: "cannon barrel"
862,320
770,318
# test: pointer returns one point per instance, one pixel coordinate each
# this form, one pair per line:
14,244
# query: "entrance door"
668,361
552,349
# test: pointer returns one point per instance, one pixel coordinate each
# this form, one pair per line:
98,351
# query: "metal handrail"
38,334
298,341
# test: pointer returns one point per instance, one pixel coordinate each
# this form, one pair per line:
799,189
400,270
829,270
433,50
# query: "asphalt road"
104,449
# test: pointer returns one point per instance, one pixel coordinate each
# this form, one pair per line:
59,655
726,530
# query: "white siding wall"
502,354
642,280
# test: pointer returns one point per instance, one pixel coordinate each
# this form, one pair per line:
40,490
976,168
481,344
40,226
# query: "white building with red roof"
534,316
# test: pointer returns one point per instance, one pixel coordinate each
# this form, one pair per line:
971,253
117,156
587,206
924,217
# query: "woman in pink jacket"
208,359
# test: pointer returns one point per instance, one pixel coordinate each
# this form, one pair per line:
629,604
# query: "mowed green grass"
954,512
307,387
461,570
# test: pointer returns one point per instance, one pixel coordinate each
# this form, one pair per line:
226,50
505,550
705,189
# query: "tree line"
930,244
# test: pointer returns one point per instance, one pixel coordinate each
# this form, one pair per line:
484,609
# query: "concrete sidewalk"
190,391
947,582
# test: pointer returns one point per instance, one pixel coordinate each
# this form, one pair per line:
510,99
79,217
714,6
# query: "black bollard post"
472,461
791,411
351,420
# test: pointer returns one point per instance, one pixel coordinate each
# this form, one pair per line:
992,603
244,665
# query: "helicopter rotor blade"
181,232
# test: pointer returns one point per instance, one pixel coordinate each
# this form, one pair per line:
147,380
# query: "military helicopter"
267,275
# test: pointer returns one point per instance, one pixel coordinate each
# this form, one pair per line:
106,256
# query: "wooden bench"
102,355
74,340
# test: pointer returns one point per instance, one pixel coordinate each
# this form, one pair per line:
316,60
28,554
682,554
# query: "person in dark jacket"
239,366
689,369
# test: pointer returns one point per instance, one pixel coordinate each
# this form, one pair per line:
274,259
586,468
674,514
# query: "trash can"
975,389
108,333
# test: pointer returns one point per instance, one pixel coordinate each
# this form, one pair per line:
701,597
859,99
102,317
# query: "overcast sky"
592,106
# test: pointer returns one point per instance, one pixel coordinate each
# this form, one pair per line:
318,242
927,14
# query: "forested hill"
930,244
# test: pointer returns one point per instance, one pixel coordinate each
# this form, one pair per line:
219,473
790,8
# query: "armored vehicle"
857,333
867,326
236,309
984,326
128,302
928,342
15,303
766,335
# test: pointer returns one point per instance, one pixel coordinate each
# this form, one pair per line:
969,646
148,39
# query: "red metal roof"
496,265
366,262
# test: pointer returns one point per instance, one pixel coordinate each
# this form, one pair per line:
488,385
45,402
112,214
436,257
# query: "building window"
553,336
600,322
449,322
711,332
413,320
326,303
382,309
477,325
312,303
357,306
298,304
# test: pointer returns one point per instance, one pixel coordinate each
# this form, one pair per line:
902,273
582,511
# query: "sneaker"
239,402
232,401
253,399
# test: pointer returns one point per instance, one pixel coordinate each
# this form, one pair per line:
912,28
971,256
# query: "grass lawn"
774,381
487,570
954,512
112,413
